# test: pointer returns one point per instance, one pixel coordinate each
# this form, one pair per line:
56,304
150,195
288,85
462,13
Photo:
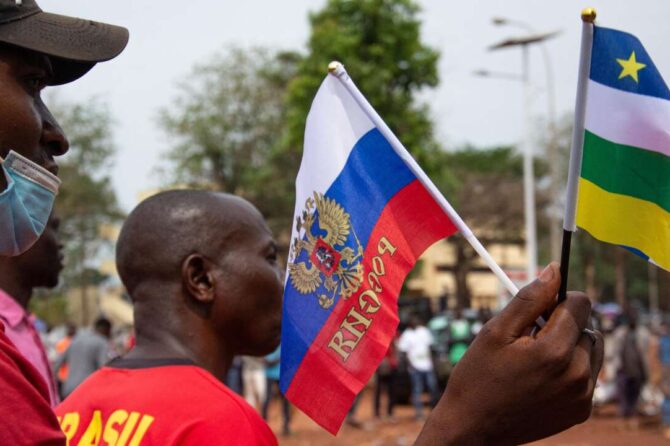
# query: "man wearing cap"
37,50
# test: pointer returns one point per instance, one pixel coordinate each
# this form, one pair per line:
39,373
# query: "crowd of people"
636,367
635,374
201,270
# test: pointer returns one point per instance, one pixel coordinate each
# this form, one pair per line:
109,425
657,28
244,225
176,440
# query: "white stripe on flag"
334,124
628,118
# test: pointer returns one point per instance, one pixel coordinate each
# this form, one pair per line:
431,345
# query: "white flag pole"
337,69
577,146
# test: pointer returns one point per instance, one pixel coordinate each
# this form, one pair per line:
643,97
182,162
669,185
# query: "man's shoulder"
203,406
178,384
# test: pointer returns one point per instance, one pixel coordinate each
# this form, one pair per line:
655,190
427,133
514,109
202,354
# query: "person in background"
272,374
351,418
61,347
664,359
415,343
631,344
234,376
37,49
38,267
385,381
460,336
253,381
483,316
88,352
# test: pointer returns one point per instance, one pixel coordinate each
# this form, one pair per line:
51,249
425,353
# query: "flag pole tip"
588,15
334,67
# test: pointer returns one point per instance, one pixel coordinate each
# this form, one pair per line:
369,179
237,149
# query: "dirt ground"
603,428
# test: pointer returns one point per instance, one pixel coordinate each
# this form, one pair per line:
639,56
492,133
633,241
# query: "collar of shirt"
13,313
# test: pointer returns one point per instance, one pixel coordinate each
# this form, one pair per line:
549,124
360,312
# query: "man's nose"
53,140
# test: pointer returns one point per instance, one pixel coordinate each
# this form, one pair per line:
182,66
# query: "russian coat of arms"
326,257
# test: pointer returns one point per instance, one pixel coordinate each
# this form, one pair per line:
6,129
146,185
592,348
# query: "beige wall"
484,286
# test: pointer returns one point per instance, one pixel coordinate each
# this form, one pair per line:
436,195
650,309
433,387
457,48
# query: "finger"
589,350
568,320
597,354
531,301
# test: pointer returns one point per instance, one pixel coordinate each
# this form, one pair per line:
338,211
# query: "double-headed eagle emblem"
331,265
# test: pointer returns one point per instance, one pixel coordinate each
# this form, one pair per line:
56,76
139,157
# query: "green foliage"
379,43
238,121
226,122
51,308
496,160
86,200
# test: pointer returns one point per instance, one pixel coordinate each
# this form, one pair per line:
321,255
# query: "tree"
487,192
379,43
86,200
227,121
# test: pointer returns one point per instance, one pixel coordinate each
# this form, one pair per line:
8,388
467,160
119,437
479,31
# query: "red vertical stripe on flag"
341,360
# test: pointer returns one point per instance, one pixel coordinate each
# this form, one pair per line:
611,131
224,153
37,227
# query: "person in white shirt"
415,343
254,382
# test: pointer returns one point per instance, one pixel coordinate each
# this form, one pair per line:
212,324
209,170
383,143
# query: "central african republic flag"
624,188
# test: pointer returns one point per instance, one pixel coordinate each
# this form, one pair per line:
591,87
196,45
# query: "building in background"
435,277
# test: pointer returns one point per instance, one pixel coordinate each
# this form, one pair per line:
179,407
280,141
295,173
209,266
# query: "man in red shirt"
36,50
201,268
40,266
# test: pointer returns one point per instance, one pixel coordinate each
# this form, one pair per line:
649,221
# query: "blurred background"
215,94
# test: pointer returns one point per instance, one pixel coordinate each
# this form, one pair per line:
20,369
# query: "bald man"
202,271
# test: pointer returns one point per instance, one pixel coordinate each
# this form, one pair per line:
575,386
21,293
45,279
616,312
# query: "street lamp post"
528,171
552,147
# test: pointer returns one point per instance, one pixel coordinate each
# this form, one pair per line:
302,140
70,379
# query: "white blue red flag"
362,218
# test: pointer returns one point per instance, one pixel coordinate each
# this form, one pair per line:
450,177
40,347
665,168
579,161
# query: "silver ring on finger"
591,334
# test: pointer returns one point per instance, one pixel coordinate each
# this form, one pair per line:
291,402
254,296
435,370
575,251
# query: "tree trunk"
590,277
461,271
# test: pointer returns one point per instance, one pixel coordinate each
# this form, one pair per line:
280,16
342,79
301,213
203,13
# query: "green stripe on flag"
627,170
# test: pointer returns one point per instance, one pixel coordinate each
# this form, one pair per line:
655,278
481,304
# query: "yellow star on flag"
630,67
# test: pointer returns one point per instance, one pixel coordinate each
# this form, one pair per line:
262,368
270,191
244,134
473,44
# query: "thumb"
531,301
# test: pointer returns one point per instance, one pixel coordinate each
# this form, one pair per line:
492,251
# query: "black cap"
74,45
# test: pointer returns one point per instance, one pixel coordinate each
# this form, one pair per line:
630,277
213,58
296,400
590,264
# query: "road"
604,429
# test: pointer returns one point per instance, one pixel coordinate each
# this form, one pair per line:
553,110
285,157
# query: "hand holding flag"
365,211
511,388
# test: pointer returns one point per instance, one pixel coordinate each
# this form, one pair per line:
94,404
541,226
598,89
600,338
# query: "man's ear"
197,278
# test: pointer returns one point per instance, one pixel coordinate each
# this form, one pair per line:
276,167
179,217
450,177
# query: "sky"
168,37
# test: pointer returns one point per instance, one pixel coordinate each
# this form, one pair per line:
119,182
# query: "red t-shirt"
26,418
159,402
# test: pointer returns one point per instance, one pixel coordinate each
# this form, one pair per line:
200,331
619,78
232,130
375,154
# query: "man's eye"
272,257
36,83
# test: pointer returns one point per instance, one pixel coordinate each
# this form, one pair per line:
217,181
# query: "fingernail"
547,274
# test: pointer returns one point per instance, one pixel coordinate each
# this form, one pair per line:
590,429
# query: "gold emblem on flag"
333,253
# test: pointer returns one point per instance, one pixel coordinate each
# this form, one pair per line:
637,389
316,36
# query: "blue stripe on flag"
373,174
637,252
610,45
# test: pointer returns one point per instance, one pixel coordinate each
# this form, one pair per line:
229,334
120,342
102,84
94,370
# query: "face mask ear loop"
8,179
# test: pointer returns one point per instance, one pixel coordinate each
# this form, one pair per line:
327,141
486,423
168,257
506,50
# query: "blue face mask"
26,203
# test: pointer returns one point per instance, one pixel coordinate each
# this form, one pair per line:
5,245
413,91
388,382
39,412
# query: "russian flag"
362,219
